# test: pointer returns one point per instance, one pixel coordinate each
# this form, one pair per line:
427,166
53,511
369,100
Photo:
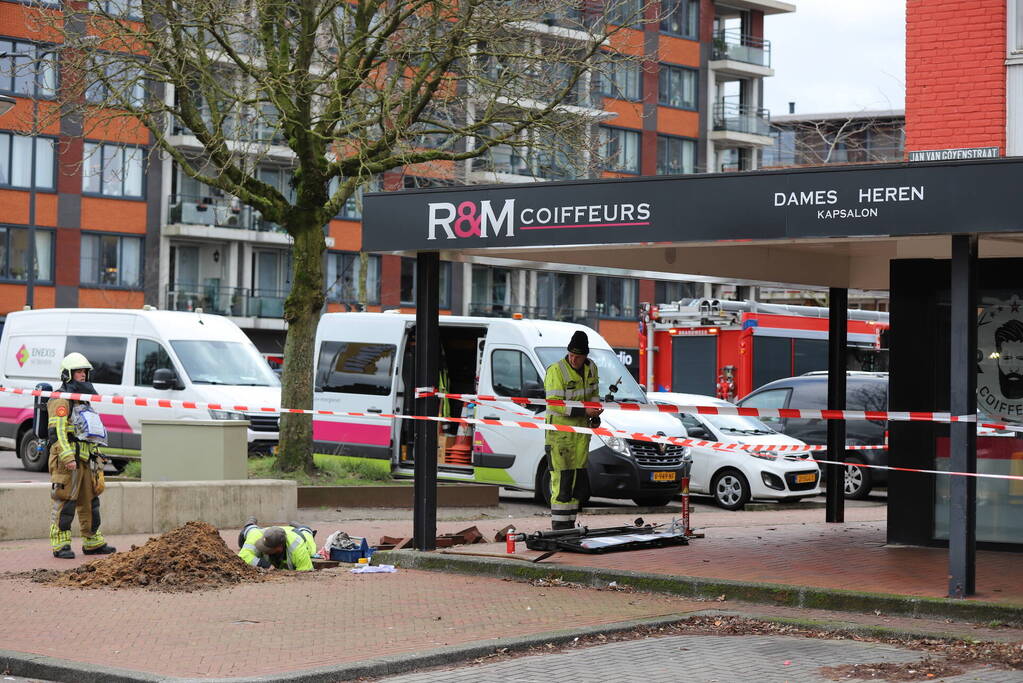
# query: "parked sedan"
733,478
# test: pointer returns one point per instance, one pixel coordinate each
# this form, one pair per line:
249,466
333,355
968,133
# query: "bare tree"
344,90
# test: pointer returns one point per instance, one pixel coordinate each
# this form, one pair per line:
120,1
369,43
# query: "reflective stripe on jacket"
299,548
59,412
563,382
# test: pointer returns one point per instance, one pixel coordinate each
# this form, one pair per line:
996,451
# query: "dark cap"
580,343
273,538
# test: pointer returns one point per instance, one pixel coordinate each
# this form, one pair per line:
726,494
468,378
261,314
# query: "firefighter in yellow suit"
76,468
573,378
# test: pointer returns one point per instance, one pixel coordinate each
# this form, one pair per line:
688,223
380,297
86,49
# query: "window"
27,69
668,292
1017,43
112,170
514,374
353,205
408,282
767,400
624,12
106,354
681,18
122,83
344,273
20,154
620,149
620,79
491,291
675,156
150,356
694,428
111,261
118,8
676,87
616,297
355,368
14,247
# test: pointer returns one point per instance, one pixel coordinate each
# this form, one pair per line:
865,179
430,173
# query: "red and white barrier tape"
709,410
763,449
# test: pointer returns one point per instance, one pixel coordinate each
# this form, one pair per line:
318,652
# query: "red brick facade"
955,74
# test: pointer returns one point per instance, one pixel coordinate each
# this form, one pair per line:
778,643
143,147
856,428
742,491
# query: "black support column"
838,334
962,534
424,520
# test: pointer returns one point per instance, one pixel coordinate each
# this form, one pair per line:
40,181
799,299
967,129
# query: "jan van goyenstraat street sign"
891,200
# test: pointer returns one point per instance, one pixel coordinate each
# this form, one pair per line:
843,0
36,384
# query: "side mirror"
164,379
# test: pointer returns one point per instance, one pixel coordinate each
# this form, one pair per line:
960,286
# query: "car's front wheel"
857,480
730,490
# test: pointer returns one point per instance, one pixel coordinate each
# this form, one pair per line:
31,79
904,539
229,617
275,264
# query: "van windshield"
223,362
609,369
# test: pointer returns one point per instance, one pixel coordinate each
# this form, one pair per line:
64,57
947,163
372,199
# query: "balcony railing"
508,159
732,44
581,316
236,301
740,118
216,211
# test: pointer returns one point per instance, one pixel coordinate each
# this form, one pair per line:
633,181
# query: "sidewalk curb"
697,587
51,668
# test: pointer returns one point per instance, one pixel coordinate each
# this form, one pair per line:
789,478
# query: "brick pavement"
699,659
335,618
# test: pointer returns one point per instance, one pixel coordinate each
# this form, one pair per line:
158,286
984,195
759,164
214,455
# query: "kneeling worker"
277,547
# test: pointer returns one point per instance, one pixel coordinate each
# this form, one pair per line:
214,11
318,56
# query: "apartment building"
113,225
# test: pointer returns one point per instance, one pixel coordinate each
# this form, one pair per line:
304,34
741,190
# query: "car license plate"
663,476
806,478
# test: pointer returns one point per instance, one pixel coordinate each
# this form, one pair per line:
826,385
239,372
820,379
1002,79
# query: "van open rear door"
357,359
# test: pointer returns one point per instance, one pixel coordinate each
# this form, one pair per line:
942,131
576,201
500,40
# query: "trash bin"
194,450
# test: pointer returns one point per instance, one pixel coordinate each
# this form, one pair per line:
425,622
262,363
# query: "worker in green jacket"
573,378
291,546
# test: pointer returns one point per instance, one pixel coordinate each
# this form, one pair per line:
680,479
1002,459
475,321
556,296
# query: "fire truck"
729,348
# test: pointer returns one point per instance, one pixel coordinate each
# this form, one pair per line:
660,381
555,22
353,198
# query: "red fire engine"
729,348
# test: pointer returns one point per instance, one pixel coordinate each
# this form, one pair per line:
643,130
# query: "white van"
149,353
365,364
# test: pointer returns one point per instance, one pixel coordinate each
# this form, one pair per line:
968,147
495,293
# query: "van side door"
356,371
107,356
148,356
508,455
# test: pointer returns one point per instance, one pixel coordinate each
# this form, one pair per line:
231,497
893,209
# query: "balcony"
239,302
505,163
741,56
216,212
580,316
740,125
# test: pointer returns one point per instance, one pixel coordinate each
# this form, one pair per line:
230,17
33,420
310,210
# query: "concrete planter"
448,495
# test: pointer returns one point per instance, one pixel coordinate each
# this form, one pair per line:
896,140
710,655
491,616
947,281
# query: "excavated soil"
192,557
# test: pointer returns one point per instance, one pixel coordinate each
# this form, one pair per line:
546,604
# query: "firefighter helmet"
74,361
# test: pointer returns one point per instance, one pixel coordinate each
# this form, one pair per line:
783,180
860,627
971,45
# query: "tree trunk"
302,312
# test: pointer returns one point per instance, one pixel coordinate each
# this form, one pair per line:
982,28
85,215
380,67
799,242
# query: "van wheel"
32,459
730,489
542,490
857,483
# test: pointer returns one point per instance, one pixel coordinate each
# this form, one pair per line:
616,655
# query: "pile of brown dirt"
192,557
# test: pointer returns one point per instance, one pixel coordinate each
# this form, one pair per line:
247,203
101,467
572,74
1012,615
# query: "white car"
733,478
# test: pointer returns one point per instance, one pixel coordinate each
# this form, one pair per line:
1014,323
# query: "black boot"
560,526
65,553
104,549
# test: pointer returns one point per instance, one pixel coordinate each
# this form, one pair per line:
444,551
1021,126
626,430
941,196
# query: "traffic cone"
460,452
